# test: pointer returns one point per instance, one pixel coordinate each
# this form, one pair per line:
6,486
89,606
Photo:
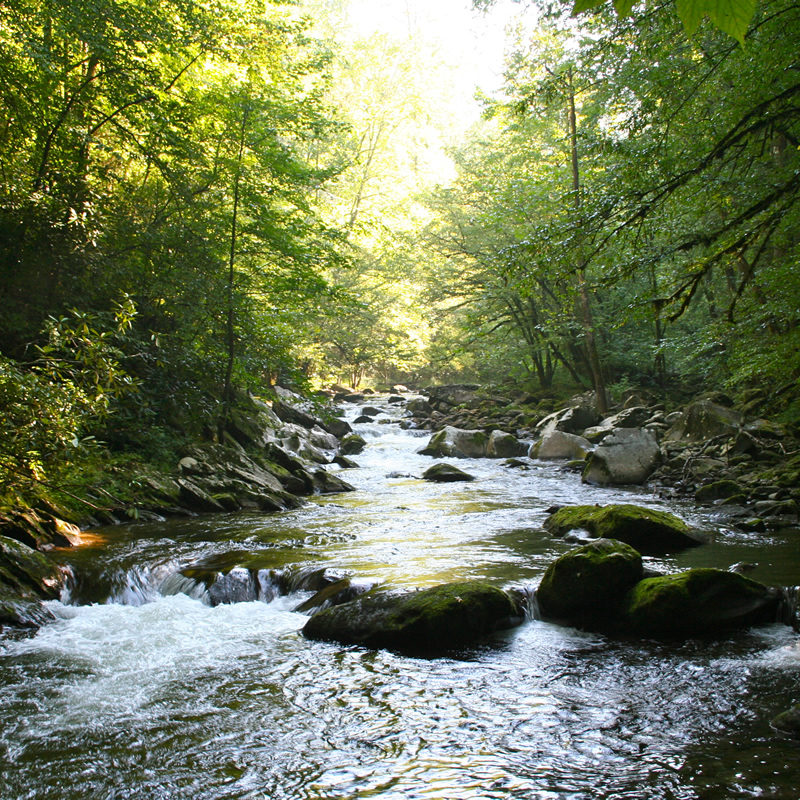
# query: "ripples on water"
165,697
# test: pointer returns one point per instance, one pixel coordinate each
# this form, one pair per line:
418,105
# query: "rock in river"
586,586
650,532
426,622
626,455
446,473
699,601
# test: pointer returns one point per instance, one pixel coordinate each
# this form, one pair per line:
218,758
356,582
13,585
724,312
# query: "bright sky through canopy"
471,42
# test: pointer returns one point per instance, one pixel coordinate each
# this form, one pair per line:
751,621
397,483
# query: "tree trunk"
230,338
587,320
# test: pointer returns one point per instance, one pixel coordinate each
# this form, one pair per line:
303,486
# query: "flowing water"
156,694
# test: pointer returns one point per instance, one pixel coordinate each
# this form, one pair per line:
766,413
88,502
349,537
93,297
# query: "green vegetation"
200,200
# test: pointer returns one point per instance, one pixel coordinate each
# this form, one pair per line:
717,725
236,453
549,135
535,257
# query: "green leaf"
585,5
623,7
731,16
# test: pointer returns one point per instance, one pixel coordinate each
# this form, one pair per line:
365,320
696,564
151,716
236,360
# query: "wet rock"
396,399
718,490
626,456
699,601
649,531
427,622
362,420
370,411
342,591
289,413
456,443
787,722
586,586
446,473
504,445
352,444
344,462
27,578
39,530
327,483
419,407
557,445
634,417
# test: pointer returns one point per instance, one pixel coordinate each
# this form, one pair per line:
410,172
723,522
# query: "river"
148,694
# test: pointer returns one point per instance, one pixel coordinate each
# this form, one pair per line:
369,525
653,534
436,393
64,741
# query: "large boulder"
426,622
704,420
577,418
625,456
419,407
446,473
27,578
699,601
505,445
649,531
453,442
586,586
558,444
634,417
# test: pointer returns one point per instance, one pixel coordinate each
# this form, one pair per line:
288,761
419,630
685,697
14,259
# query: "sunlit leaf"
731,16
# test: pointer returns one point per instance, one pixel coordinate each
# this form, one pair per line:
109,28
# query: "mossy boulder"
586,586
446,473
352,444
505,445
649,531
27,577
718,490
427,622
697,602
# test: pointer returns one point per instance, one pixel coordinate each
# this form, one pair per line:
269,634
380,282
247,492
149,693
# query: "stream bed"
154,695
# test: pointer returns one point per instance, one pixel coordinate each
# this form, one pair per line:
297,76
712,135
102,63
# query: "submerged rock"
426,622
446,473
586,586
699,601
649,531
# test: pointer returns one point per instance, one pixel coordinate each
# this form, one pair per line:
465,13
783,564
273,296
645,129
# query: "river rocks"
704,420
504,445
649,531
718,490
342,591
427,622
352,444
461,394
38,529
626,456
634,417
456,443
699,601
27,578
558,445
419,407
446,473
787,722
586,586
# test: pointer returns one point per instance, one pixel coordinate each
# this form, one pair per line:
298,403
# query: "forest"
204,199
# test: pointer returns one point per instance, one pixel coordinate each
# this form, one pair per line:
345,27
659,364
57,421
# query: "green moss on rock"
426,622
648,531
586,585
718,490
699,601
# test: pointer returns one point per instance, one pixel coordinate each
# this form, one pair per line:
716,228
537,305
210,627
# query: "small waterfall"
789,607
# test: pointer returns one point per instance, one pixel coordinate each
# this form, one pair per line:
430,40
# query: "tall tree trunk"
230,338
587,320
